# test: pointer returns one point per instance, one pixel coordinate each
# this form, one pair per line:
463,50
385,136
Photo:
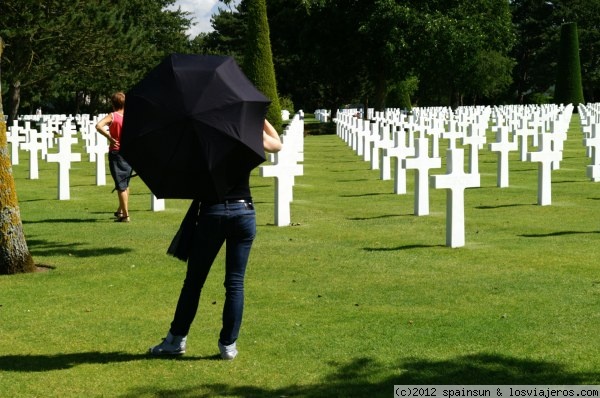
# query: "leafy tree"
320,54
535,25
228,36
538,24
31,30
295,78
491,75
451,36
136,37
258,59
103,55
401,92
384,33
325,53
349,51
61,50
14,254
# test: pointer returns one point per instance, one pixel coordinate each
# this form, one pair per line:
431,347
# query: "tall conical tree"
14,254
258,58
569,89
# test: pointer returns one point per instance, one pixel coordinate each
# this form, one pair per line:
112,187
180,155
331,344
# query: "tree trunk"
14,254
380,91
15,100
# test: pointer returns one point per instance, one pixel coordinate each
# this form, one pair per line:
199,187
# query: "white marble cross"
383,146
359,130
15,138
435,130
455,181
559,136
370,136
522,134
421,163
64,157
383,141
284,170
294,135
397,153
156,204
474,140
538,125
592,142
349,123
545,156
452,134
34,144
586,128
49,129
503,146
98,150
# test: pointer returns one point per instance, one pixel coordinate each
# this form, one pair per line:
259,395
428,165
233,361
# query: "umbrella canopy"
193,127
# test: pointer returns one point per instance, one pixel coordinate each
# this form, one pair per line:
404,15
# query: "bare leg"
124,202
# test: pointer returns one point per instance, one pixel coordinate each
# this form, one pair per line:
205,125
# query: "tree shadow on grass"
569,182
364,377
558,233
42,247
355,180
377,217
361,195
501,206
62,220
359,377
398,248
34,200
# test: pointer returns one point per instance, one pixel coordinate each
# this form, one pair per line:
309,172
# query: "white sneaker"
228,352
171,345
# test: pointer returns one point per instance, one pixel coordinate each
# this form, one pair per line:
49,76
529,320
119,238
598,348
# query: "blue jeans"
235,224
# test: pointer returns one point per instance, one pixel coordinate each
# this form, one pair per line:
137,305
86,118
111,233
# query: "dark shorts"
120,170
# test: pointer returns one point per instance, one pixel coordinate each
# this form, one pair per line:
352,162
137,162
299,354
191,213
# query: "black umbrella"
193,127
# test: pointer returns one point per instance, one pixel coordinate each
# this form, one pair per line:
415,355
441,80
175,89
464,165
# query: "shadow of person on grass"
47,363
360,377
43,247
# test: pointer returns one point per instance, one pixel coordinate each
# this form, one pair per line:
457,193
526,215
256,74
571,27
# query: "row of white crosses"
406,139
322,115
547,126
64,157
589,116
50,130
63,130
285,167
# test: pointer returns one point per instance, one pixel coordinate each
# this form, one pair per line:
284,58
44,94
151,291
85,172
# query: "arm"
271,140
101,127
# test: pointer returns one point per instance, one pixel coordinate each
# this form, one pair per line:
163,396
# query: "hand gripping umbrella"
193,127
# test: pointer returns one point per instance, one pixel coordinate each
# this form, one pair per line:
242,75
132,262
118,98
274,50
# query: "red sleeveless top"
115,130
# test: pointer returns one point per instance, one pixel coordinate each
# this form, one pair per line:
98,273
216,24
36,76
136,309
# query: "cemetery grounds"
356,296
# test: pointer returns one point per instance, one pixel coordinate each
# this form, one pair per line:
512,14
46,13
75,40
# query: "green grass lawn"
356,296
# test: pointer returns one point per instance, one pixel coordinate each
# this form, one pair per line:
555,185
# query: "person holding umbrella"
120,170
195,129
205,228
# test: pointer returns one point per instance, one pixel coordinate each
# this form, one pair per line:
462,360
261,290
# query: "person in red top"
120,170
